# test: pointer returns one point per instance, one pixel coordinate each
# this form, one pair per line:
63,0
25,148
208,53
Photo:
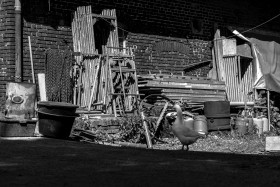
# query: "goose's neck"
179,112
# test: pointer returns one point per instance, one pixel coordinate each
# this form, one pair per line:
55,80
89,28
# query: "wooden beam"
218,47
42,86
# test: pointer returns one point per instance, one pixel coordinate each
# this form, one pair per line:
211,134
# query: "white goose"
185,135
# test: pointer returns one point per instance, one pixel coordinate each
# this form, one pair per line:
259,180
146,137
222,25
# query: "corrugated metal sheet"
239,82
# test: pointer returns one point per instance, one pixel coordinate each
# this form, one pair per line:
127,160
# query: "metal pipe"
18,42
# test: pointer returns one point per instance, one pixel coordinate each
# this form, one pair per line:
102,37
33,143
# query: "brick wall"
189,24
170,55
7,45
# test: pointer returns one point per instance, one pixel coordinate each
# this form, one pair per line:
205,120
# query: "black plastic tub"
57,108
56,118
57,126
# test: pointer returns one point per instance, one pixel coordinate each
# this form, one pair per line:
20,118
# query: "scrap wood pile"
127,131
192,90
100,83
260,108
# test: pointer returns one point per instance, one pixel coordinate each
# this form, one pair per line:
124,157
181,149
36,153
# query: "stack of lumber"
85,69
90,72
182,88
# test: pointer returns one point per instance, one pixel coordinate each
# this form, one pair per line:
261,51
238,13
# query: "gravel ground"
220,142
216,141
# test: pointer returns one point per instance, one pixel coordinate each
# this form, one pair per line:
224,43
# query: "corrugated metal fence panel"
234,88
246,78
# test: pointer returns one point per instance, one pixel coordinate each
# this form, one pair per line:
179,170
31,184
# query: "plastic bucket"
242,125
200,124
250,125
56,118
259,125
57,126
265,125
189,122
57,108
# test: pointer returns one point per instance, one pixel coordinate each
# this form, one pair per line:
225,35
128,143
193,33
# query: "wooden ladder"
124,84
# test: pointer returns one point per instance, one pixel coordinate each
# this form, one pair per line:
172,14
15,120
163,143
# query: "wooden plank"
272,143
171,80
152,76
187,91
187,85
161,115
210,87
31,59
193,96
42,86
219,55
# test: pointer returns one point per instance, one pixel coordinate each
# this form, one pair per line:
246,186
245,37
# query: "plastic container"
217,114
242,125
56,118
250,125
265,124
189,122
200,124
258,122
57,108
17,128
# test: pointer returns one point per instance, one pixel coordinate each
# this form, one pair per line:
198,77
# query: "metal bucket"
242,125
20,102
258,122
200,124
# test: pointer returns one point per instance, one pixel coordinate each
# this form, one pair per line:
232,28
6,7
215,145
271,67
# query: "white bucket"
258,122
265,125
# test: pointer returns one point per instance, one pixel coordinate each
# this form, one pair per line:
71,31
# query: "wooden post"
31,59
42,86
147,133
219,55
161,115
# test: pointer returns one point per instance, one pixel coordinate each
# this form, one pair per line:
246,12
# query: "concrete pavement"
54,162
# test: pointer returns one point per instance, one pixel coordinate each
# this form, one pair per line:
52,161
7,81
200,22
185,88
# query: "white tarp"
266,63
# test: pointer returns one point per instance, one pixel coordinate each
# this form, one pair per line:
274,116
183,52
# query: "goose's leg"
182,147
187,148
